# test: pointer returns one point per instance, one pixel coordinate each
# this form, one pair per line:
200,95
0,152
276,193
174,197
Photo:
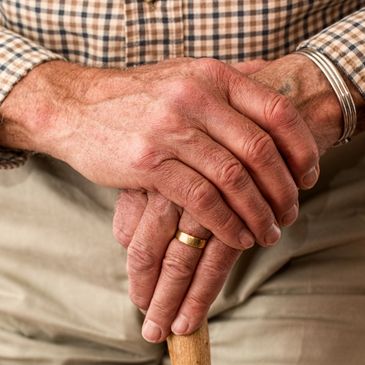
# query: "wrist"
33,113
318,103
303,82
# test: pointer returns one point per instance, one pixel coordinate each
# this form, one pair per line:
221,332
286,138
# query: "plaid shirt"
116,33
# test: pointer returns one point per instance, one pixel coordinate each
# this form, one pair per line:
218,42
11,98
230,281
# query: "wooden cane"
190,350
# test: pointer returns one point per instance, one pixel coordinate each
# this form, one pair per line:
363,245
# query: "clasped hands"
194,143
260,152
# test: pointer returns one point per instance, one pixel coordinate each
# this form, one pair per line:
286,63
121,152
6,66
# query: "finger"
276,114
230,177
250,67
129,208
148,246
209,278
256,150
176,273
189,190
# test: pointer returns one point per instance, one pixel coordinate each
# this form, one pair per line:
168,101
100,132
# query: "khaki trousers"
63,284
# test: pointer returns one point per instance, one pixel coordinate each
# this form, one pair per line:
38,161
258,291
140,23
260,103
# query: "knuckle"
160,204
261,149
201,195
287,197
137,299
143,152
162,309
123,237
228,223
190,137
279,111
168,119
232,175
307,159
124,198
260,220
140,259
178,269
183,91
147,156
216,268
213,69
291,195
209,64
198,304
264,221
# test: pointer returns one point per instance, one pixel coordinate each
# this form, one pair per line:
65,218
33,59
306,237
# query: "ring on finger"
190,240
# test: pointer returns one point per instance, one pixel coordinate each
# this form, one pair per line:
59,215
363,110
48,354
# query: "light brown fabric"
63,286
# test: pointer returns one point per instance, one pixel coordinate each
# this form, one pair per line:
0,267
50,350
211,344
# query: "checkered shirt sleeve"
18,55
344,44
127,33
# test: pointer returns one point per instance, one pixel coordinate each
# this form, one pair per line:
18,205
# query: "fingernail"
180,325
310,179
246,239
151,332
272,235
142,311
290,216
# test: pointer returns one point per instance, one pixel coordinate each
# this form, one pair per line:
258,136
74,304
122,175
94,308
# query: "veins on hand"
292,88
285,89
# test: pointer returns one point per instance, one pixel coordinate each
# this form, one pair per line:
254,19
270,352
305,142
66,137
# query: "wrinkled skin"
176,283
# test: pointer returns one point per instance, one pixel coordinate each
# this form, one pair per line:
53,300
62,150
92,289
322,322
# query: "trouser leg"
311,313
63,283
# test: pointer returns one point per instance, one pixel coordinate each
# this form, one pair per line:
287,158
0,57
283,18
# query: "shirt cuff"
344,44
18,56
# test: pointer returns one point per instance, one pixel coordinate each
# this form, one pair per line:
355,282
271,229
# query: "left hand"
164,274
168,277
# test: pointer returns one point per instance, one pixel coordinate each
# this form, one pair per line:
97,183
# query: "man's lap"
63,284
310,313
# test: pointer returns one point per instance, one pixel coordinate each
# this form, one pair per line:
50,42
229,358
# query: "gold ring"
190,240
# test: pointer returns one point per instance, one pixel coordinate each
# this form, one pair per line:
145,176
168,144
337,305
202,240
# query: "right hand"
180,128
173,282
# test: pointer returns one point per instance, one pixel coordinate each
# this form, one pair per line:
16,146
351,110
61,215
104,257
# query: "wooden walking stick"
190,350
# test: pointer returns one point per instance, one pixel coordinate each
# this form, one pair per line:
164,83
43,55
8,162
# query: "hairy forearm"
33,114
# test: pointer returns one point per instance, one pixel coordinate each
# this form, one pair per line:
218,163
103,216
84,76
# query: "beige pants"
63,285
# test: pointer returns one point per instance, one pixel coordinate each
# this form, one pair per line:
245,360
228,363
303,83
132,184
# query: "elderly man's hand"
164,274
199,132
177,283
